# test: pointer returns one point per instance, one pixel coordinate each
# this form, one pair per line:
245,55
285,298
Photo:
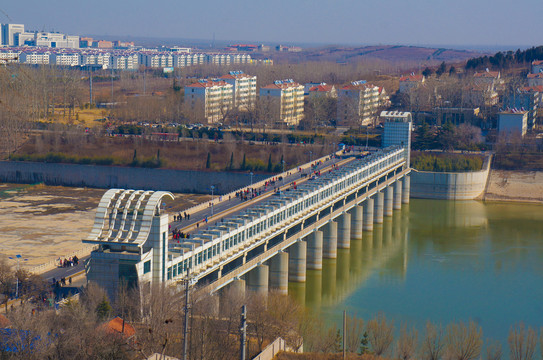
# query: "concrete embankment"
450,185
183,181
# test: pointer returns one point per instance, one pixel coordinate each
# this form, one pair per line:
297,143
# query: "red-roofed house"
358,103
322,89
408,82
244,88
210,98
535,79
537,66
487,77
286,100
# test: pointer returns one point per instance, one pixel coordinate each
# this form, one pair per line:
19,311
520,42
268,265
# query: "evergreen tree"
364,348
135,158
270,165
103,309
281,162
338,341
208,161
243,163
441,69
231,165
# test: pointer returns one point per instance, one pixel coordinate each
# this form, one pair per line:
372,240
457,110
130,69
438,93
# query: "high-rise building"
9,32
286,101
397,130
244,87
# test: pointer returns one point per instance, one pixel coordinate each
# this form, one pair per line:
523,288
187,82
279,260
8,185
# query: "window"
147,267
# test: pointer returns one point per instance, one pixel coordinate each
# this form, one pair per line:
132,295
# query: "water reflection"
441,261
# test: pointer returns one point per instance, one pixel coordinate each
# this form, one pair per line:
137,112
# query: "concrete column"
398,195
237,287
314,250
329,248
379,208
344,231
389,201
357,214
406,189
368,214
257,279
279,272
297,261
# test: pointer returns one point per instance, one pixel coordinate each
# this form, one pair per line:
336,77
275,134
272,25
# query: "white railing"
273,349
206,204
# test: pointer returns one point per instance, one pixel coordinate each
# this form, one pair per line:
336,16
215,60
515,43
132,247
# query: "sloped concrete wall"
124,177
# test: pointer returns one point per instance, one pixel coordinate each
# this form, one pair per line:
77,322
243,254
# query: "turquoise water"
441,261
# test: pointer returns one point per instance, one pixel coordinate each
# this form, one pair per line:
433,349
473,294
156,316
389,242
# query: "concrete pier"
389,201
314,250
379,208
329,249
406,189
297,261
279,272
369,207
237,288
398,195
344,231
257,279
357,225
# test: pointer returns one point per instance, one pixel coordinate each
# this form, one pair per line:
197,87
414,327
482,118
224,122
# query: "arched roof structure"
125,216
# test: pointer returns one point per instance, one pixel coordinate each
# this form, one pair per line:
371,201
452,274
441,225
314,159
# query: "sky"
399,22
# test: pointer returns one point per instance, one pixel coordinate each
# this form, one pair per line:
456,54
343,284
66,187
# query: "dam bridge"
261,245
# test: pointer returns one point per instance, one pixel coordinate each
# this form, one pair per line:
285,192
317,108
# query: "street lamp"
251,178
17,258
212,188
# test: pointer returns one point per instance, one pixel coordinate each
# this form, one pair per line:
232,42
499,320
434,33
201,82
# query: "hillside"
392,53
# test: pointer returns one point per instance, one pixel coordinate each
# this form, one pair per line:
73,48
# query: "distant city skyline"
462,23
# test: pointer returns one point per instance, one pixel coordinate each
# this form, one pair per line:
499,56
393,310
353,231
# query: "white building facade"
244,87
287,99
212,97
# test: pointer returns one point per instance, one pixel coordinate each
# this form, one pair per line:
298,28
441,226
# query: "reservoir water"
441,261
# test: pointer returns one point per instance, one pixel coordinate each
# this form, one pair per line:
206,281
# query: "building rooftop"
282,84
206,83
413,77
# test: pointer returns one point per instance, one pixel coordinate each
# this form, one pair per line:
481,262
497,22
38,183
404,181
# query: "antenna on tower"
213,44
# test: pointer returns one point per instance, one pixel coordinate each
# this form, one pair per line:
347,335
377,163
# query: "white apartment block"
287,97
244,87
125,62
97,58
62,59
9,56
358,103
212,97
157,60
34,58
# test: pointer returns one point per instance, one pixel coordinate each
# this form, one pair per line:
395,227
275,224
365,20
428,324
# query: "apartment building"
244,87
10,56
358,103
286,101
525,99
96,58
35,57
65,59
125,61
211,98
322,89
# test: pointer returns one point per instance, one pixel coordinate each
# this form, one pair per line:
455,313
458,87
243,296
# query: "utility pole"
186,327
344,332
243,332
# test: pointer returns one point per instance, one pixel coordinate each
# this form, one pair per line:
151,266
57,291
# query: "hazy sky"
417,22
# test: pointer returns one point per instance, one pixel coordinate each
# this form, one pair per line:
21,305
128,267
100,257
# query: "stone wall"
450,185
107,177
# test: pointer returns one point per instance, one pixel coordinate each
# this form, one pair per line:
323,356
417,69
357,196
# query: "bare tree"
433,343
7,278
494,351
463,342
381,334
355,329
407,343
522,342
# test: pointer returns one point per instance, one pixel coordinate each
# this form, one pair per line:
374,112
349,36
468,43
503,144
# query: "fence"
50,265
271,350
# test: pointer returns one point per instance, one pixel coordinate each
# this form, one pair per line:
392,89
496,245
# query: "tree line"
505,60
